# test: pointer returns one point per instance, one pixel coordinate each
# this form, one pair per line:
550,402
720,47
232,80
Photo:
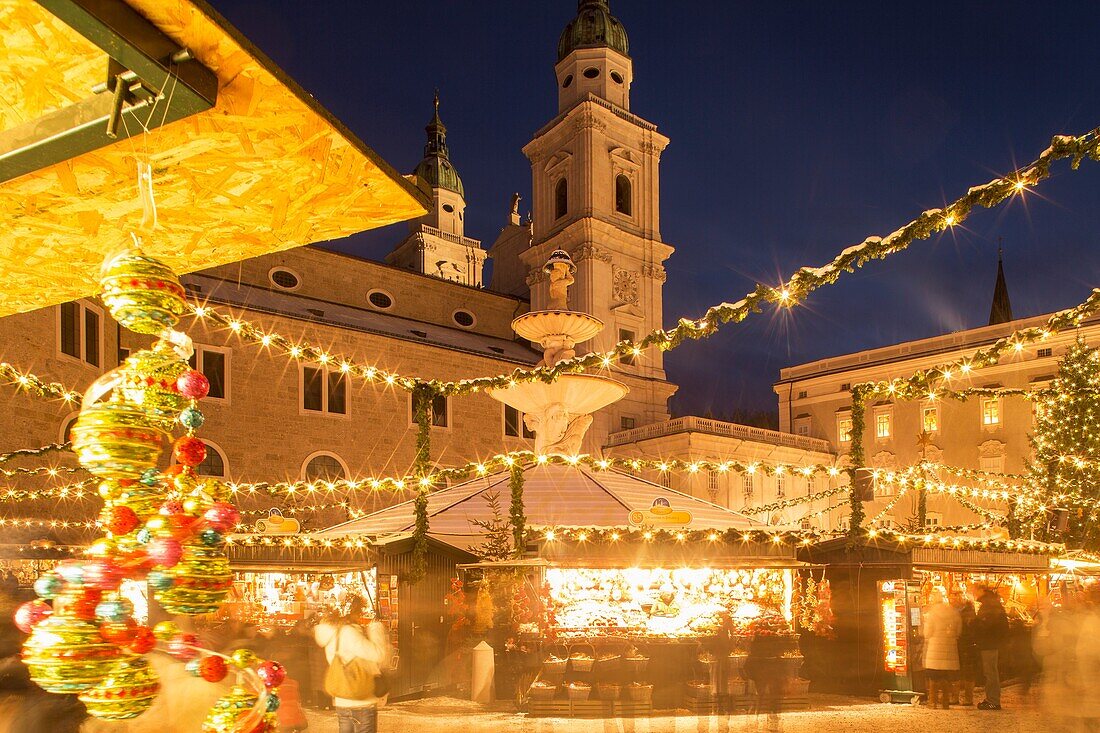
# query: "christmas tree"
498,531
1065,467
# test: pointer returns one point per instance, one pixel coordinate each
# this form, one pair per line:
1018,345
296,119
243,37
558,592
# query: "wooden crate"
588,709
748,703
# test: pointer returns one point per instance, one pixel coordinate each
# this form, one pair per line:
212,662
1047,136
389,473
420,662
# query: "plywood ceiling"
266,169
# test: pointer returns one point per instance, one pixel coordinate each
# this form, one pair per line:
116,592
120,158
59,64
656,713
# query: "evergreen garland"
422,400
859,415
516,512
1066,448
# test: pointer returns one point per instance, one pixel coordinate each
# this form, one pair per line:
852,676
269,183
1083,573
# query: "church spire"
436,169
1001,311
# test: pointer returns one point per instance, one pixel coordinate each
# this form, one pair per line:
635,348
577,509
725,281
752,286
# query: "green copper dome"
436,171
594,27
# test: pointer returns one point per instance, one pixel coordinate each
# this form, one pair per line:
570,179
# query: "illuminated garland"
930,539
601,535
36,385
971,472
794,501
52,471
422,401
889,506
68,491
24,452
50,523
347,542
517,516
801,284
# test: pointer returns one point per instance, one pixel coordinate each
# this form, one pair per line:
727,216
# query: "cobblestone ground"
1021,714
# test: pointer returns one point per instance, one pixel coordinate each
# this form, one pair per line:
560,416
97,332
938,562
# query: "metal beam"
148,70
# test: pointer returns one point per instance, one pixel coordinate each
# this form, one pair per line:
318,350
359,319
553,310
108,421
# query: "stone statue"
560,268
557,432
514,215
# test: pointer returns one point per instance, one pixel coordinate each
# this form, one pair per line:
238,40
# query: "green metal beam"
151,82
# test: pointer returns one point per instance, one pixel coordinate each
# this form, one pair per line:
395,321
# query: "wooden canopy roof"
265,169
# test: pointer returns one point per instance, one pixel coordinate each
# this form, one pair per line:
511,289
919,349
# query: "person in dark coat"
990,629
968,651
765,668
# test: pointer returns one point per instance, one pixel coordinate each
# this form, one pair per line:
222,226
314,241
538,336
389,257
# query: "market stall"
880,587
1072,575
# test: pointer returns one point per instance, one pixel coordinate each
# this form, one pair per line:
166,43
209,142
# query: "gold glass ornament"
65,654
149,379
142,294
202,581
116,439
237,712
126,692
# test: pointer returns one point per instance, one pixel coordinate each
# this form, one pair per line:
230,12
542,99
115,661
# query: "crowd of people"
963,644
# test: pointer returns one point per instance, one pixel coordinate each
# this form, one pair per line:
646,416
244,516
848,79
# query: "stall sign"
661,514
276,523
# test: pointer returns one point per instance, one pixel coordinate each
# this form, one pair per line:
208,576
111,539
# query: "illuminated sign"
661,514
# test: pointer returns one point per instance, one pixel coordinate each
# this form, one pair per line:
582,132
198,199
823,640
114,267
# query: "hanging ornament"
66,654
213,668
140,497
222,516
120,519
114,611
165,551
271,673
160,580
244,658
182,647
202,580
149,378
189,450
48,586
116,439
144,640
193,384
192,418
30,614
126,692
237,713
142,294
166,630
119,633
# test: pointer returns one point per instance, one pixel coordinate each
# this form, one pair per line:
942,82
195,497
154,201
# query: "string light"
34,384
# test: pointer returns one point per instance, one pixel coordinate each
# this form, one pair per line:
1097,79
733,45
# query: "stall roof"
968,555
266,168
553,496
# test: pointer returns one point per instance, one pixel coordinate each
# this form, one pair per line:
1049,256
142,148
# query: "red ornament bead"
222,516
180,647
121,520
213,669
193,384
83,608
144,640
120,634
31,613
189,450
103,574
272,673
165,551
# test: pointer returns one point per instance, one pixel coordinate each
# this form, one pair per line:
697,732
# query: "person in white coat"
941,626
347,639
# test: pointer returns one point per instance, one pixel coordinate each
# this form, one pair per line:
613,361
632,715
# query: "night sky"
798,128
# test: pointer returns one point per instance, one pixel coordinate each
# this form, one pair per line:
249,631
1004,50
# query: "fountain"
559,413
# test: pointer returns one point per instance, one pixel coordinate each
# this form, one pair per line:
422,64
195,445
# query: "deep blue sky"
798,128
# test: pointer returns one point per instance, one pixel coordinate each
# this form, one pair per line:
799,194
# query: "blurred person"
968,651
1087,653
990,628
358,660
764,666
941,626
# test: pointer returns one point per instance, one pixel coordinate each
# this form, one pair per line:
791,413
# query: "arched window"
67,427
324,467
213,464
622,195
561,198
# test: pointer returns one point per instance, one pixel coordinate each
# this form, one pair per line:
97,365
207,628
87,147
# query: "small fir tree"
497,529
1065,466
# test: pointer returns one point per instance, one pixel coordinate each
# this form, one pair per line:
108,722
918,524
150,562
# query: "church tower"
437,244
596,195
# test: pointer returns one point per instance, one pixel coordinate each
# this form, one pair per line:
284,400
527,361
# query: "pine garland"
516,513
859,414
422,401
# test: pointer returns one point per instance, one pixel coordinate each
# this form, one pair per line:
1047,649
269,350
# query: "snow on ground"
827,714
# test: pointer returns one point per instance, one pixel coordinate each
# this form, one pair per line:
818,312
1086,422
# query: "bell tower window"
561,198
622,195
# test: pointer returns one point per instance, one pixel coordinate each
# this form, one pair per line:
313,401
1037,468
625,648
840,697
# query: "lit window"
438,412
991,412
930,419
627,423
514,426
1044,352
214,364
882,425
933,519
81,332
213,464
780,485
804,429
665,479
712,481
844,429
802,394
324,391
748,485
324,467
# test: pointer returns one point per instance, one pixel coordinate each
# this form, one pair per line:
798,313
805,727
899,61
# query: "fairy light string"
35,385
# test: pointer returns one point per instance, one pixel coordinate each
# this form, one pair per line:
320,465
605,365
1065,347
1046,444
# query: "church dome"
594,27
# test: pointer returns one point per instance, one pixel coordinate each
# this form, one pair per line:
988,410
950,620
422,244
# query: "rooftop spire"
435,169
437,133
1001,310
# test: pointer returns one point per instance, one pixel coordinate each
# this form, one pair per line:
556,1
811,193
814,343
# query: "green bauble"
237,712
202,579
149,379
66,654
116,439
126,692
142,294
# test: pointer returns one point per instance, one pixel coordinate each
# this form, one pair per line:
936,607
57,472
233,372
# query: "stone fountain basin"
539,325
580,394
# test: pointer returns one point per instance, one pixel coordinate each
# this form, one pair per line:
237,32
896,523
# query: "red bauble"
189,450
222,516
170,507
31,613
180,647
83,607
103,574
193,384
213,669
272,673
144,641
122,634
165,551
120,520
